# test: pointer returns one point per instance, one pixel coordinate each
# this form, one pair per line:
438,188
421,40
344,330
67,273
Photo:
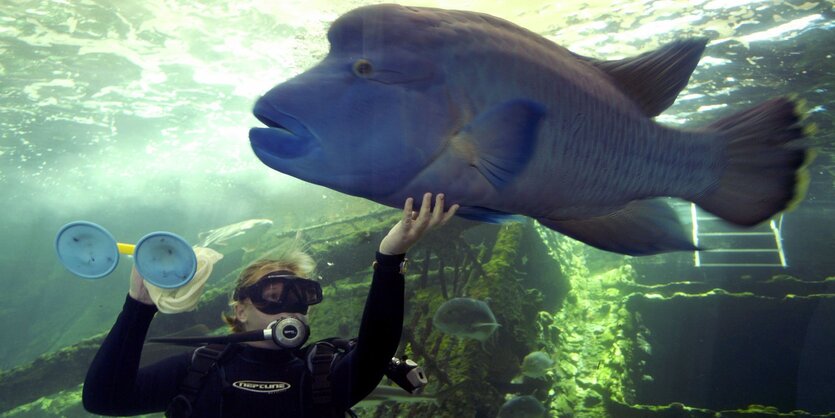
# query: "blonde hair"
290,258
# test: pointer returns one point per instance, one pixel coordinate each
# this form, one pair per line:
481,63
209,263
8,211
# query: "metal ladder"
731,246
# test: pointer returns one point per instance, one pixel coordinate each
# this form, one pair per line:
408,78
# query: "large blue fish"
506,122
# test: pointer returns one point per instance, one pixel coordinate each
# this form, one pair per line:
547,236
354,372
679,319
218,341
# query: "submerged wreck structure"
620,348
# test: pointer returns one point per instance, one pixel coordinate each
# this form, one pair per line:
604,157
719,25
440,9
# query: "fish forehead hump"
489,58
424,26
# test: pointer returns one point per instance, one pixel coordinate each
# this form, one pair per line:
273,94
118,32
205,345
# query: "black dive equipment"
407,374
286,332
281,291
291,332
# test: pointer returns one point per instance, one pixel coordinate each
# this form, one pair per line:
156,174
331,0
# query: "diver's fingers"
438,210
450,213
425,206
407,210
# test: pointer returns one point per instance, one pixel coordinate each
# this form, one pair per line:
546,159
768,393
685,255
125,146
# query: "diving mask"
281,291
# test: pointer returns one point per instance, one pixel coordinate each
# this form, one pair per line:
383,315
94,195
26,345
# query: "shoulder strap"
319,361
320,358
202,362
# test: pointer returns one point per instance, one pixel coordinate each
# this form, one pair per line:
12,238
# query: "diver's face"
253,319
272,291
274,296
249,315
277,292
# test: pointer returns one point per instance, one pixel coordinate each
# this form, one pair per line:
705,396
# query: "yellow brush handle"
125,248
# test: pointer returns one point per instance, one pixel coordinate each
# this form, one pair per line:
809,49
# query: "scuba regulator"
286,332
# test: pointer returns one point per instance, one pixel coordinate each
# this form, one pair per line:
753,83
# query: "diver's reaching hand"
138,291
411,228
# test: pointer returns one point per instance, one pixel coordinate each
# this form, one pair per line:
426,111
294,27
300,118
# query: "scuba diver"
261,369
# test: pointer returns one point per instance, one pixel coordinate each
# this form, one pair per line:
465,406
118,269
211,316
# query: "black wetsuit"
116,386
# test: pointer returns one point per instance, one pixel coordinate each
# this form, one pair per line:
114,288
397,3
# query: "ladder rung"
739,265
742,250
723,234
774,232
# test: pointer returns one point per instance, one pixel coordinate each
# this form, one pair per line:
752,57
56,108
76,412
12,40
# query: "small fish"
536,364
522,407
465,318
507,122
236,235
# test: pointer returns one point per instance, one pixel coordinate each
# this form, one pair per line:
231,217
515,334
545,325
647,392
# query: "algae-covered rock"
469,378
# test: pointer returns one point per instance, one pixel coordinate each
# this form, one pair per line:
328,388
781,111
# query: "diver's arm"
382,320
114,384
362,369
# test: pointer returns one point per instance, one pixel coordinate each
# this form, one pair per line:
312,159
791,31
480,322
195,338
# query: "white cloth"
185,298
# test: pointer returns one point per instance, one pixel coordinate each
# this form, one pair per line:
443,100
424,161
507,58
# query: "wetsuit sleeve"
361,370
115,385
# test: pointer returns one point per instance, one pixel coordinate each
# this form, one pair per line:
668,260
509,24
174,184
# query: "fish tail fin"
764,169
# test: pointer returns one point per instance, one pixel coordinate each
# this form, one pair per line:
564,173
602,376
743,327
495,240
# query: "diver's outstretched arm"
361,370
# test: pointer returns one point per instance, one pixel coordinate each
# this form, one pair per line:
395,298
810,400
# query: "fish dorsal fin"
499,142
654,79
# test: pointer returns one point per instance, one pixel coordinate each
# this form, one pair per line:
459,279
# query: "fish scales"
505,122
591,156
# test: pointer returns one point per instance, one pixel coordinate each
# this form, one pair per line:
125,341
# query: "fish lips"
283,138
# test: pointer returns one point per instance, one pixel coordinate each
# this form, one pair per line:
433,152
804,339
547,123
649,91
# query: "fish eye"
363,68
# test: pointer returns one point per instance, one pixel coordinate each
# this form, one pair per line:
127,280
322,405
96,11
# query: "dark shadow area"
724,352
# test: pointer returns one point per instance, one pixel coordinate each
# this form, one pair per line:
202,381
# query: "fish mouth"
285,137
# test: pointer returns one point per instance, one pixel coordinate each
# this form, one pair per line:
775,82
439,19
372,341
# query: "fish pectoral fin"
642,227
654,79
500,141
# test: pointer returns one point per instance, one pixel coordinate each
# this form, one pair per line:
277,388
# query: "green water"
134,115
